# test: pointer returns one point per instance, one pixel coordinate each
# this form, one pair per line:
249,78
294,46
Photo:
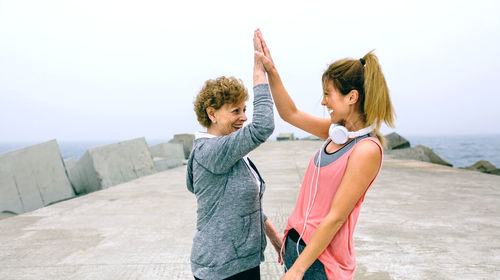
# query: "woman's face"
228,119
335,103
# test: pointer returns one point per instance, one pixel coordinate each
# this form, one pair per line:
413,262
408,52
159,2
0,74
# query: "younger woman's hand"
292,274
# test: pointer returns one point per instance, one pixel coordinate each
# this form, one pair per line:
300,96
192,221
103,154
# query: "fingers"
263,43
263,59
257,44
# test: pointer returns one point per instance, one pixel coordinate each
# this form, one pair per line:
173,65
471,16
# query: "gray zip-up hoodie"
230,234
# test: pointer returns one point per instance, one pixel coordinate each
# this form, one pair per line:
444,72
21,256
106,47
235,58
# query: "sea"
459,150
462,150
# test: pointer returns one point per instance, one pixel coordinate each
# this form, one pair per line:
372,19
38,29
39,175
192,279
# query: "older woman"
231,228
319,243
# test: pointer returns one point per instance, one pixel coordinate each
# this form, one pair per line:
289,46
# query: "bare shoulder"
366,151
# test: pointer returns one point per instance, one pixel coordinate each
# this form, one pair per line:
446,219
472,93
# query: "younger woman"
319,232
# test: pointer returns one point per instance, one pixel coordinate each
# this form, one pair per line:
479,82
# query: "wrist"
297,271
259,79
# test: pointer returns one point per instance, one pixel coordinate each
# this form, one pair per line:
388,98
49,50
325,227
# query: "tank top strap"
328,158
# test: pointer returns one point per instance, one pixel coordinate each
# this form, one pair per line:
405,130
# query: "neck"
355,122
213,131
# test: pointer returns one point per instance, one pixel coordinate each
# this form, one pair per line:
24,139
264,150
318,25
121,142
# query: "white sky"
115,70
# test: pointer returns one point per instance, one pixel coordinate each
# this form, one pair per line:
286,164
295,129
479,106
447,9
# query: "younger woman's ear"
353,96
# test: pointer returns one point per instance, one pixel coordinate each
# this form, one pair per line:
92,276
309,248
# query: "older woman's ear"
211,114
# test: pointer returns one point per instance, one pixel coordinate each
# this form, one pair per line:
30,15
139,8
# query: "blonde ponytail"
378,106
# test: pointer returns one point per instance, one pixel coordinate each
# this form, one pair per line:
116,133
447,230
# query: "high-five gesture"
284,103
259,72
262,51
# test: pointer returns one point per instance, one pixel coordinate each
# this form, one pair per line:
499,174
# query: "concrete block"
33,177
162,164
70,162
167,155
187,140
105,166
285,137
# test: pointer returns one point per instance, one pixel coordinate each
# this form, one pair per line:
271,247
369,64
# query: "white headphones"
339,134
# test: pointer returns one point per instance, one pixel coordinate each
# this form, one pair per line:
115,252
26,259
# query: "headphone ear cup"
338,134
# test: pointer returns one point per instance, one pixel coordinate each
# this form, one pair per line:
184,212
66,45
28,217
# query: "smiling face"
227,119
336,103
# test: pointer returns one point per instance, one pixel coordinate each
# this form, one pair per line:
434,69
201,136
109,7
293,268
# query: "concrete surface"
418,221
105,166
33,177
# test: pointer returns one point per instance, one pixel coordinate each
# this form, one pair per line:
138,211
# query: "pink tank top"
339,257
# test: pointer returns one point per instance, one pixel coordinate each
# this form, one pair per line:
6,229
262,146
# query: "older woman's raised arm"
221,153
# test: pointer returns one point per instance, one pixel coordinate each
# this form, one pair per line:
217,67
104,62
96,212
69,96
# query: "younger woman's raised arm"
284,103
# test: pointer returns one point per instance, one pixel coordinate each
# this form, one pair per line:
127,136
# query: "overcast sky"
115,70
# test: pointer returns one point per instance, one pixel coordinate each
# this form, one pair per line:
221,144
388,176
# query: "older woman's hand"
262,51
275,238
259,72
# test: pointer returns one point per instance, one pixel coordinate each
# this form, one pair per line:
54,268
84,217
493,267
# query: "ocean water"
459,150
462,150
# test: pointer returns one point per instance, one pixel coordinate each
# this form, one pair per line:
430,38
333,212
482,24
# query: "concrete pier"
419,221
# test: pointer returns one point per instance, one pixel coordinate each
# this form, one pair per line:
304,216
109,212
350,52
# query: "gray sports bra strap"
327,158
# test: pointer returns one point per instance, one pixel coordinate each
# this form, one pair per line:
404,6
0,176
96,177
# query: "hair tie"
363,62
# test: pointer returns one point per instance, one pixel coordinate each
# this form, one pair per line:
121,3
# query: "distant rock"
419,152
495,172
396,141
285,137
485,167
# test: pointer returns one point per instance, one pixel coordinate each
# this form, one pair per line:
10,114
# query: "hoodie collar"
199,135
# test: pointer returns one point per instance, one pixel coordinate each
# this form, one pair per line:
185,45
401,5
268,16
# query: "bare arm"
284,103
362,168
275,238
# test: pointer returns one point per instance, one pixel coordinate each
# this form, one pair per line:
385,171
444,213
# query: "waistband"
294,236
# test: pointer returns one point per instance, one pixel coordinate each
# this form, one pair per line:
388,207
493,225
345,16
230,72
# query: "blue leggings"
315,272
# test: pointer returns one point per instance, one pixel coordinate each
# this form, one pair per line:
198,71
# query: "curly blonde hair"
216,93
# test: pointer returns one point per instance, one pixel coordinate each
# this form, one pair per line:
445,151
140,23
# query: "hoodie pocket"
211,250
248,242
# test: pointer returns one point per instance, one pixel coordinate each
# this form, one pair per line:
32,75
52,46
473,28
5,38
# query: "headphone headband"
361,132
339,134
